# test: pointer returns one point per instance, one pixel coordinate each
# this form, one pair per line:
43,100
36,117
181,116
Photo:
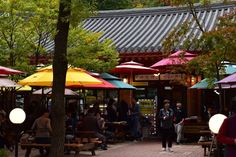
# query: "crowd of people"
93,120
171,120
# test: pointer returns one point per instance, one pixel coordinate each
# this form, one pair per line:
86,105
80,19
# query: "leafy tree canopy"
127,4
85,51
27,26
213,47
217,46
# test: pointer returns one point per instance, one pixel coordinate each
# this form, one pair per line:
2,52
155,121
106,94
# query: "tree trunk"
59,75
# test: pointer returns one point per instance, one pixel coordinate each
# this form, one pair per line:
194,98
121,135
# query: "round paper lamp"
215,122
17,116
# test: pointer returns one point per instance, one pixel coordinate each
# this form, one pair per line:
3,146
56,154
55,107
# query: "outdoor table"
120,128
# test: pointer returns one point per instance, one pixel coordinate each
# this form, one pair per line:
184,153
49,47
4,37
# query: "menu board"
148,109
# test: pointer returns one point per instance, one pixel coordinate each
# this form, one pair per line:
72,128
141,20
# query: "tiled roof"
143,30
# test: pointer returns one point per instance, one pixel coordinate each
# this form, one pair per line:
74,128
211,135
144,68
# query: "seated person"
90,123
69,131
42,128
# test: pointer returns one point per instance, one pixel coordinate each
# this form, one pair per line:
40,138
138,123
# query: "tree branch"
193,12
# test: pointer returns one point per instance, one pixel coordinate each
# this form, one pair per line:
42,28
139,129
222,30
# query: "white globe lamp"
215,122
17,116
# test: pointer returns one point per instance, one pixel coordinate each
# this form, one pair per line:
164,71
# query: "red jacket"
227,135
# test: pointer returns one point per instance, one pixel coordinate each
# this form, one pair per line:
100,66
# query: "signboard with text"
161,77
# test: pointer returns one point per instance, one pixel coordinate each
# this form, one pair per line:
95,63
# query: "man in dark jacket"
227,133
166,119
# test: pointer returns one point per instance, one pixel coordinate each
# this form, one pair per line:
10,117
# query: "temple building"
138,35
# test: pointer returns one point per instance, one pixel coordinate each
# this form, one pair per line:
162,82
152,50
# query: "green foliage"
85,51
41,24
217,46
26,26
149,3
80,10
113,4
22,25
13,31
127,4
4,153
214,47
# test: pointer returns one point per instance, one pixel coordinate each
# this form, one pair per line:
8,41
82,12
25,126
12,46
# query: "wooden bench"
193,131
88,137
88,140
77,147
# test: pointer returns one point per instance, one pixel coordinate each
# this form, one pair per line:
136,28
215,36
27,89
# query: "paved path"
138,149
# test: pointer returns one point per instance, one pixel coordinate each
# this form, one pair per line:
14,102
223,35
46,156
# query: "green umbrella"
203,84
116,81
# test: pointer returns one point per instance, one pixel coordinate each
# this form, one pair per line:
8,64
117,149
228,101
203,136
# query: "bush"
3,153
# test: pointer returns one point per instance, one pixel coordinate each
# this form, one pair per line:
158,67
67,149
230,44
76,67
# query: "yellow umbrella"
74,77
24,88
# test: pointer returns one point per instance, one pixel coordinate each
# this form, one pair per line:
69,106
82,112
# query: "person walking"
227,133
166,115
179,116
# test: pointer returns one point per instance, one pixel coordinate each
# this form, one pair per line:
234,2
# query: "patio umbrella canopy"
6,83
230,80
24,89
74,77
116,81
203,84
9,71
177,58
134,68
48,91
104,85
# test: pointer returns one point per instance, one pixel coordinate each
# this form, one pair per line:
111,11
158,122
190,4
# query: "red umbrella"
105,84
133,68
177,58
9,71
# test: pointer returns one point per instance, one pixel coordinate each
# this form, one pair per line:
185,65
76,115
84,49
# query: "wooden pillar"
126,95
194,102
